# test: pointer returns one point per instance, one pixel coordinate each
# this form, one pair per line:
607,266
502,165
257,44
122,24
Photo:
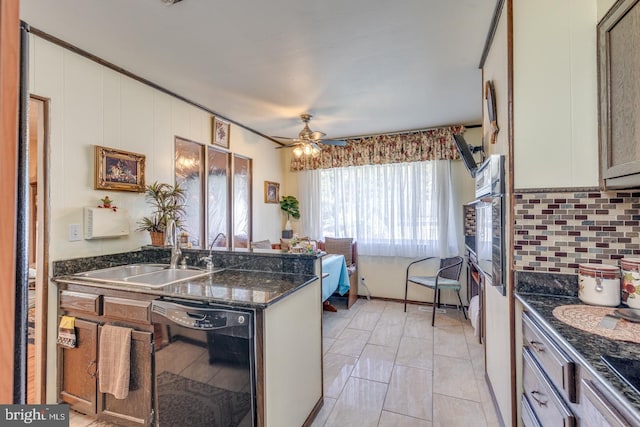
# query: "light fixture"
298,151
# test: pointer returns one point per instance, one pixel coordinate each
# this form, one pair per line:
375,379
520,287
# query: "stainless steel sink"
147,275
123,271
165,277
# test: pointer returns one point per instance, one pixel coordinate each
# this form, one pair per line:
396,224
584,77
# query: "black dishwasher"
204,364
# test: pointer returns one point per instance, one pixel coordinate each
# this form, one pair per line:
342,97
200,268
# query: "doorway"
38,249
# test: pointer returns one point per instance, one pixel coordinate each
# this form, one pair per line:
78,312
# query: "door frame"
42,255
9,96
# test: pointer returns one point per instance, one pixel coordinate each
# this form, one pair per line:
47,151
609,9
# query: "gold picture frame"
118,170
271,192
220,132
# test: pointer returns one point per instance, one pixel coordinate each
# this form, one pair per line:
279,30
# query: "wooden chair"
447,277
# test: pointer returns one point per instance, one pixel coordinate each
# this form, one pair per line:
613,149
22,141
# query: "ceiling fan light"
308,149
297,151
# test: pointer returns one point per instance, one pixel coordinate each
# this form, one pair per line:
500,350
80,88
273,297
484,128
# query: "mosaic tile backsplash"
554,232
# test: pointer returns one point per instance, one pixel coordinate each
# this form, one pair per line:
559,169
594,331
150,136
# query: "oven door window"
483,237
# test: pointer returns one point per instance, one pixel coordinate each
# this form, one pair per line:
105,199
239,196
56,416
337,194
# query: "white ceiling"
359,66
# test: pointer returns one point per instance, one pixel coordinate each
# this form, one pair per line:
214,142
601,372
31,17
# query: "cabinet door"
135,410
619,87
78,368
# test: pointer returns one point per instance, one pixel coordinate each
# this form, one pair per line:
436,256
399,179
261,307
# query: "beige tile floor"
384,367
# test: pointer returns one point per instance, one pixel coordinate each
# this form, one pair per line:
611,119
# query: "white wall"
93,105
555,94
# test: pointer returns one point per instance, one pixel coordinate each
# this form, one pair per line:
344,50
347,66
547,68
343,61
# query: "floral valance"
416,146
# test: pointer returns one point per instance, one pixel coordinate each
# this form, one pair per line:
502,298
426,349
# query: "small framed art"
271,192
118,170
220,132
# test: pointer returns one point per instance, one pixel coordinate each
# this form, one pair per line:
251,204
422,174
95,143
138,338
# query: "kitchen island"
588,389
286,346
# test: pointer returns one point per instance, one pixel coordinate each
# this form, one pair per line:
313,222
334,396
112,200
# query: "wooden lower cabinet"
135,410
79,369
79,378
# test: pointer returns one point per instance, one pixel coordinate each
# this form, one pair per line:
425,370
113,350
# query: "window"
399,209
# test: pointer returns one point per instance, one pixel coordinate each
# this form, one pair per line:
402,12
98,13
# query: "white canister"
599,284
630,281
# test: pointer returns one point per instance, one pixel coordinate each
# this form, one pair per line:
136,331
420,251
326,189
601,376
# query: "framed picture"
271,192
118,170
220,132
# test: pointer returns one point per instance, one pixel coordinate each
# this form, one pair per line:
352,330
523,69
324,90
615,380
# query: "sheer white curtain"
399,209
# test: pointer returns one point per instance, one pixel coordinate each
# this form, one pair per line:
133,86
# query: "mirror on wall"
241,201
188,172
218,205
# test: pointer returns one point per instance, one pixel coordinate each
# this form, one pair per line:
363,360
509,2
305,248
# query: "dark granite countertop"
241,288
254,279
587,347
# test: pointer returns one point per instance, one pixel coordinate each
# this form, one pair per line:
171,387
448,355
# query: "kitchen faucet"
172,239
209,259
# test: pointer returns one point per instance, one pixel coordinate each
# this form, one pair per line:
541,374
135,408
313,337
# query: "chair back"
450,268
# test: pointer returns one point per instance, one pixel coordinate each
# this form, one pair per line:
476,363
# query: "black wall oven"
490,220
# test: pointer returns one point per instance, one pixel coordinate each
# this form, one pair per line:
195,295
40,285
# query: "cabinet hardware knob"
539,400
537,346
92,369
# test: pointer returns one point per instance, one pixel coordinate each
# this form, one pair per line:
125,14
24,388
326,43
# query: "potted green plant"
168,202
290,206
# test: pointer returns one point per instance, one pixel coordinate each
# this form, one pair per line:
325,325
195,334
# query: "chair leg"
438,298
462,305
436,293
406,287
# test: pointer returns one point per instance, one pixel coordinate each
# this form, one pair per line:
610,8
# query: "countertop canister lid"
599,270
630,264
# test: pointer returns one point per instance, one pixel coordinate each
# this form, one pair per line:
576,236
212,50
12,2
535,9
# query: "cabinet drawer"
557,365
528,415
80,301
127,309
596,408
547,404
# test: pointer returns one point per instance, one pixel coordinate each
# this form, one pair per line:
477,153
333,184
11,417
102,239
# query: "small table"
334,276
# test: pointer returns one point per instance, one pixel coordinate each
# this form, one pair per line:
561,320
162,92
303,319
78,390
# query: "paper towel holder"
103,223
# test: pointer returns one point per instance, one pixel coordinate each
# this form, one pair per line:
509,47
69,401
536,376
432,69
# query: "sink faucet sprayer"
171,238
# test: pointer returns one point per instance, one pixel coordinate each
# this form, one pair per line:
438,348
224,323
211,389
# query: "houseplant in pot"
168,202
290,206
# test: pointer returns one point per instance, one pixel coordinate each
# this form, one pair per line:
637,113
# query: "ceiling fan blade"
285,137
316,135
336,142
292,144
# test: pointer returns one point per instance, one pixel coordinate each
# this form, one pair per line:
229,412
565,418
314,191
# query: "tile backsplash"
556,231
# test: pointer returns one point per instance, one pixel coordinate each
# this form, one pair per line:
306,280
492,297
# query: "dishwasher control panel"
199,317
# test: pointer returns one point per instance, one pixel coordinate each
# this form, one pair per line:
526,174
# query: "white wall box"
100,223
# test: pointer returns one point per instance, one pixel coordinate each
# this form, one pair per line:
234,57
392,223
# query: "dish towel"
67,332
114,360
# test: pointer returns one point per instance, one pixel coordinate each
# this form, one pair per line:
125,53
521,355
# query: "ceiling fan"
308,141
